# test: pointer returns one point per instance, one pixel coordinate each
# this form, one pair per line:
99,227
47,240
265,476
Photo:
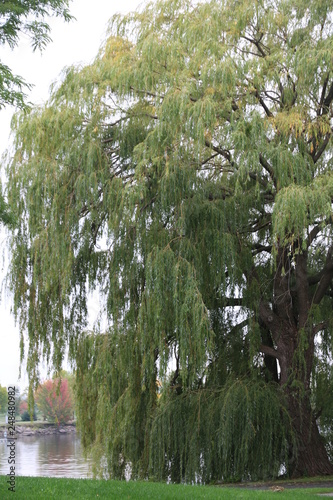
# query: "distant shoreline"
38,429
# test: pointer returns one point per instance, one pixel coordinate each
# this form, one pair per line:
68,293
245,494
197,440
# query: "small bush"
25,417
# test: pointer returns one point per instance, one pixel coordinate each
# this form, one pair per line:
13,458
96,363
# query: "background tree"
23,406
24,412
55,401
3,399
187,175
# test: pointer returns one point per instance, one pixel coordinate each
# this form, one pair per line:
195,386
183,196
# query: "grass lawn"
21,423
48,488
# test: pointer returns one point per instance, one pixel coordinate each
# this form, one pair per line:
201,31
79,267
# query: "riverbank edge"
38,429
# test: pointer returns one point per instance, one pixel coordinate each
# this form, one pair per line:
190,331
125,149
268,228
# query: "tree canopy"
19,17
187,176
27,17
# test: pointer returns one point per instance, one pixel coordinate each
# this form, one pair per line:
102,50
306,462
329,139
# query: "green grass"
35,423
20,423
49,488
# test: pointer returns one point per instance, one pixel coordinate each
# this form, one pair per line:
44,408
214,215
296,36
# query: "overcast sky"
72,43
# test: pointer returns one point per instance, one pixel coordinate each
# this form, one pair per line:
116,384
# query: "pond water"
55,455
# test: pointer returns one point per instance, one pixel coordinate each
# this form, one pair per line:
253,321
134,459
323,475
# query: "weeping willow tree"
186,175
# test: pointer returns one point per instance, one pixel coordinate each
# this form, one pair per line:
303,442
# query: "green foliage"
3,399
26,417
235,428
28,17
186,175
23,411
323,402
6,216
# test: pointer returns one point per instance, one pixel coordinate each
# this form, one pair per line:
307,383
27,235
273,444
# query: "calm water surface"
56,455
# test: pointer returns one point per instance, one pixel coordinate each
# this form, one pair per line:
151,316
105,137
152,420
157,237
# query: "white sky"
72,43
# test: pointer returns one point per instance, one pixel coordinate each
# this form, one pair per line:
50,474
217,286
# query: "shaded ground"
316,482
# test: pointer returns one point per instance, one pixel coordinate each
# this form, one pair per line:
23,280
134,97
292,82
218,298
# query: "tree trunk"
289,321
311,458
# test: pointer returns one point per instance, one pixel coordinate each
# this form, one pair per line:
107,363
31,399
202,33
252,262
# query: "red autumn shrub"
23,406
55,401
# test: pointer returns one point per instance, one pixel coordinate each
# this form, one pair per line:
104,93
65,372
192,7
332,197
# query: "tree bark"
311,457
293,346
289,321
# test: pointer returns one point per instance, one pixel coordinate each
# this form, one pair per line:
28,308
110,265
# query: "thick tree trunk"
311,458
288,322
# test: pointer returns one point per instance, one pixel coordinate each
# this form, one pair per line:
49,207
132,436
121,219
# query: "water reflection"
56,455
